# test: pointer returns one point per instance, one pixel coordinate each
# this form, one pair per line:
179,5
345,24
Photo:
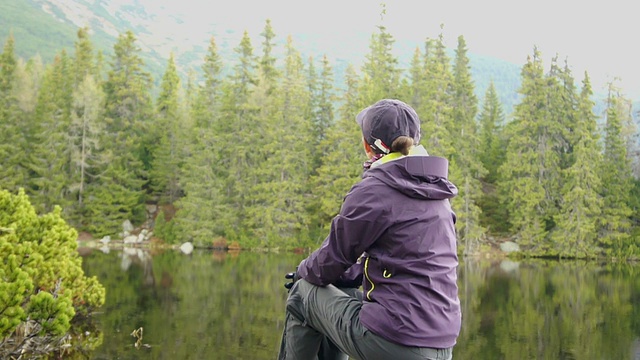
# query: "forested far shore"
263,155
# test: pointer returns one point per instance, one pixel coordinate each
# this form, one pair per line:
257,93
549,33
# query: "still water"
210,305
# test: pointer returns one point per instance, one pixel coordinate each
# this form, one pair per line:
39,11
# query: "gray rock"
509,246
130,239
151,209
106,239
127,226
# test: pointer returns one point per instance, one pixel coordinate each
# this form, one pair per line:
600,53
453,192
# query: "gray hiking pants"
323,323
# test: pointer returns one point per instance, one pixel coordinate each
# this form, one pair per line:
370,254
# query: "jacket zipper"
366,274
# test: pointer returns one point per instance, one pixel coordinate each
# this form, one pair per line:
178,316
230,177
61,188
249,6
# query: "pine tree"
42,279
576,231
466,141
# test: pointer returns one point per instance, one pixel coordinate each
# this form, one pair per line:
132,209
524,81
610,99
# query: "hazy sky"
597,36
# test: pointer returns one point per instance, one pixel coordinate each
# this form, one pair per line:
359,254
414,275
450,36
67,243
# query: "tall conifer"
13,141
466,166
380,72
87,155
120,195
235,142
50,158
521,175
168,129
278,209
492,155
202,214
343,155
614,222
435,108
576,230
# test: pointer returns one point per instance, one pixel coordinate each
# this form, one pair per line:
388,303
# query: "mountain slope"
45,27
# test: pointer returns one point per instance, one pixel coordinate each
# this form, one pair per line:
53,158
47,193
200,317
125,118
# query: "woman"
395,233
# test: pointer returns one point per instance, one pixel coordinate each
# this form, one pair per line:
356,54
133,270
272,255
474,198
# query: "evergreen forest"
262,155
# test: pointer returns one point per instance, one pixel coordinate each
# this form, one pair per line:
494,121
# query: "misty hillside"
45,27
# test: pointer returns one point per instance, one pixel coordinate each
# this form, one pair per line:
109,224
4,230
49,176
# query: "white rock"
106,239
186,248
130,239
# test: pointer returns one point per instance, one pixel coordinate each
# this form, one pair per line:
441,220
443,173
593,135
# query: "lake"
216,305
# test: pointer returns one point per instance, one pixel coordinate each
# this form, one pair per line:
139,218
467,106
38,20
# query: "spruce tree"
614,223
380,72
326,99
492,155
13,141
119,194
558,136
279,199
235,141
466,166
202,214
343,155
50,160
435,107
269,73
491,121
576,231
417,79
521,175
168,131
321,100
85,63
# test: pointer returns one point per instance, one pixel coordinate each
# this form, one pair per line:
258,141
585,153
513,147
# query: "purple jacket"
400,217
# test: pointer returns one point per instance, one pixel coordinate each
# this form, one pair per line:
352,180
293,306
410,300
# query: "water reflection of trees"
230,306
548,310
205,305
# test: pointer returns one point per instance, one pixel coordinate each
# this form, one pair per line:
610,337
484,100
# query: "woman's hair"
402,144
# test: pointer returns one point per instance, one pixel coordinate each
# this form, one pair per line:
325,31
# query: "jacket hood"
417,176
